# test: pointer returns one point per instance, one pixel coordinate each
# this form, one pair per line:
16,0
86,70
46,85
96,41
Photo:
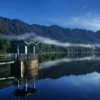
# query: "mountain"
16,26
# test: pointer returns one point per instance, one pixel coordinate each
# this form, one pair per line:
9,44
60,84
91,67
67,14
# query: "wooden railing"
13,57
7,58
28,57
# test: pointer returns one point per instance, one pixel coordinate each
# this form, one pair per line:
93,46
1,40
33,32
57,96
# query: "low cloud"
90,23
86,20
17,37
46,40
61,44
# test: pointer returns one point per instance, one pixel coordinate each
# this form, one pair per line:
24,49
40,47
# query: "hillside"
16,26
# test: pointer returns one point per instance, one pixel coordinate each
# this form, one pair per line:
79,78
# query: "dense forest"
16,27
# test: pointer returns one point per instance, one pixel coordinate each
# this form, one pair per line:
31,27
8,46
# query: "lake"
59,77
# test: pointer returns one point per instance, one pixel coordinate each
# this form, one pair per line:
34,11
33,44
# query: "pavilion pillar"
34,50
26,50
18,50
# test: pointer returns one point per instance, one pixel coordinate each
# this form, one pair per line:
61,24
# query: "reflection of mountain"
53,69
70,68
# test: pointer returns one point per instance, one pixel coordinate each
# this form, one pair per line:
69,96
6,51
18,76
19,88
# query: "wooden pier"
7,59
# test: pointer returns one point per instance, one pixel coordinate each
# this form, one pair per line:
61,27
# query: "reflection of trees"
51,57
71,68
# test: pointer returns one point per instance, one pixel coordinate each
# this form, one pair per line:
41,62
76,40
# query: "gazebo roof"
24,43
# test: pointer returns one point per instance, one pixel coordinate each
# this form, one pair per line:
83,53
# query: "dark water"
60,77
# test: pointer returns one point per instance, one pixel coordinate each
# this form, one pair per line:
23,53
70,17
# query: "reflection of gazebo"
23,92
25,44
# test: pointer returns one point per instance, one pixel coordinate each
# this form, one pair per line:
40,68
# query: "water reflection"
69,66
58,61
24,91
18,75
57,79
23,75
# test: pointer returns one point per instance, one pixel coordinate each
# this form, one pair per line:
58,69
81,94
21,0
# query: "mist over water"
46,40
58,61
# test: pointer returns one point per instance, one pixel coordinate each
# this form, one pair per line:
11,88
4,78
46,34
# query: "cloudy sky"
65,13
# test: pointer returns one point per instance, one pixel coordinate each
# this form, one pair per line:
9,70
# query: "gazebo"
25,44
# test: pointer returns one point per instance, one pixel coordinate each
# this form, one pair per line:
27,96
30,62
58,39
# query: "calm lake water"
60,77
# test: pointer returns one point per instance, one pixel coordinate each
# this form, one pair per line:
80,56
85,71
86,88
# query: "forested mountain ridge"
16,26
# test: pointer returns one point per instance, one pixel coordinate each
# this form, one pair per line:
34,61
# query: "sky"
83,14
